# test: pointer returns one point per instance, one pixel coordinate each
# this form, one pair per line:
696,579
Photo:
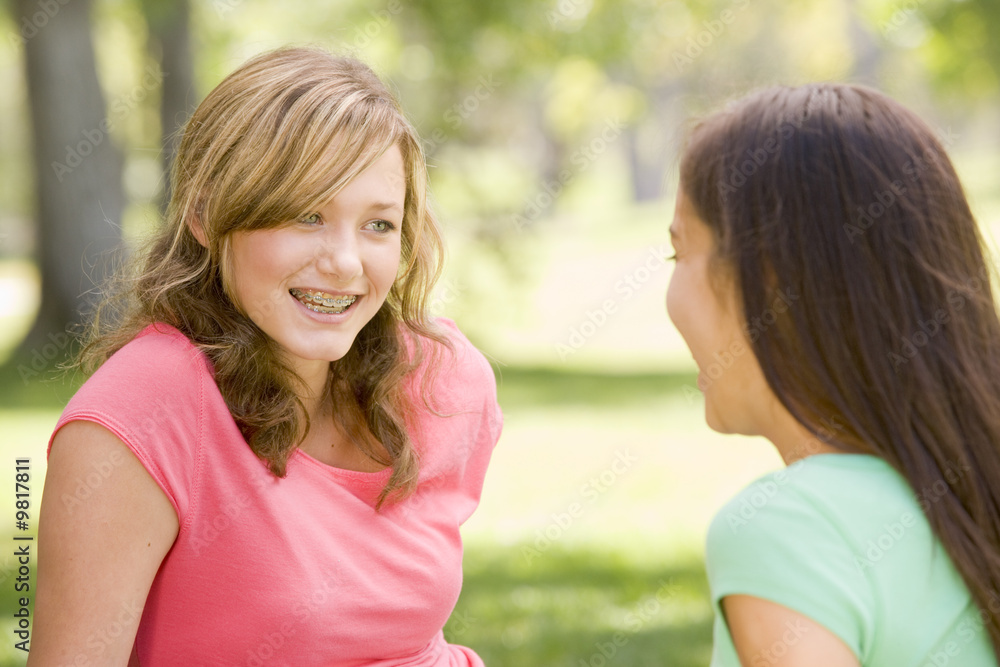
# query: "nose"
339,255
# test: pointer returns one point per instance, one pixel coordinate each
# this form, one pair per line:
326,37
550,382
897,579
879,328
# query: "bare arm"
767,634
105,527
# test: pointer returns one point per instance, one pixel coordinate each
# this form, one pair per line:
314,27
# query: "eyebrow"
385,206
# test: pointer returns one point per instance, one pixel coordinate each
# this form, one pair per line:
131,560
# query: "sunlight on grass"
630,463
583,605
547,585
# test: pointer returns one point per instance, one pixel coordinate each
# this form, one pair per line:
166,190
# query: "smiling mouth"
321,302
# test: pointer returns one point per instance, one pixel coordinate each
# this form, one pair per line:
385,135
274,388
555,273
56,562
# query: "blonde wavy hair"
276,139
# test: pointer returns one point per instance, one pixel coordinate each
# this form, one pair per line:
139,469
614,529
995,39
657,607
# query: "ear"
193,223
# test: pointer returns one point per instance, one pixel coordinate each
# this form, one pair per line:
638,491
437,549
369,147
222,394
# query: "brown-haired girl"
834,290
272,460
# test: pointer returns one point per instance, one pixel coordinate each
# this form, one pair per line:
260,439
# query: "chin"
731,422
715,419
334,351
333,354
713,422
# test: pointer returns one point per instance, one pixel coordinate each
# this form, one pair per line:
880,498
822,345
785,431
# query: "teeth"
328,311
321,302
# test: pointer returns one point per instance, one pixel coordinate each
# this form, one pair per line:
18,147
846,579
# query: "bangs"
315,144
328,163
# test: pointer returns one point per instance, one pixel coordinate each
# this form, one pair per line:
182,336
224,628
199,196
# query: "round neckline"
376,477
845,457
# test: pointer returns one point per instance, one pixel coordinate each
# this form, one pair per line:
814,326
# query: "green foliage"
962,51
543,388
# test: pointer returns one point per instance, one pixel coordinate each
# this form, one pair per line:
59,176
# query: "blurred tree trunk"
651,147
77,171
867,48
170,43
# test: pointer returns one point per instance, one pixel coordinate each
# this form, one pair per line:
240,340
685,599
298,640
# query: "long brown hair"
277,138
850,198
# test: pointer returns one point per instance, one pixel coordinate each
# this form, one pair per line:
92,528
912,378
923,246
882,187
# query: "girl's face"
736,394
312,284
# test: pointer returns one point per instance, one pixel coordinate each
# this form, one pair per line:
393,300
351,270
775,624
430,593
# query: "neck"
793,440
312,390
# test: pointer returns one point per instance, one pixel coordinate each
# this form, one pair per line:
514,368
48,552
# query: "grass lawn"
549,586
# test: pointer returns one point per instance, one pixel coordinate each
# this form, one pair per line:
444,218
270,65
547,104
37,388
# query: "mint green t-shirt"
842,539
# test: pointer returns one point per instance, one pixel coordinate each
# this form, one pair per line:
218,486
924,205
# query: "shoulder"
832,494
160,363
460,351
158,375
757,510
151,395
454,370
797,536
457,420
158,349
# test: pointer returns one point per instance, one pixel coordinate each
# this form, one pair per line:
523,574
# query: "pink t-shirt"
300,570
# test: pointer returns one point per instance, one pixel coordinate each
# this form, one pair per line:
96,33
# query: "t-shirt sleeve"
150,395
459,420
774,542
464,383
480,382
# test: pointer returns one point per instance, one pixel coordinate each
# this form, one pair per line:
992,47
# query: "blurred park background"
552,129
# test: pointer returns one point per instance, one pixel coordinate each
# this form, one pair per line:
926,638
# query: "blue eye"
311,219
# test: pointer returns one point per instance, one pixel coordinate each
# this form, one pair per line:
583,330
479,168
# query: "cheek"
236,257
672,296
258,263
695,311
384,266
680,301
